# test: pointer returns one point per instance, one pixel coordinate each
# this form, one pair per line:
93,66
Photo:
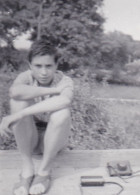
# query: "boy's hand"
5,126
6,123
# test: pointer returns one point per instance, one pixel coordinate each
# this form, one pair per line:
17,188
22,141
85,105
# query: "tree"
12,24
116,50
73,26
137,50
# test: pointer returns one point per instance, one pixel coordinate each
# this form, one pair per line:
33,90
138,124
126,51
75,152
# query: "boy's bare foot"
22,187
26,178
40,185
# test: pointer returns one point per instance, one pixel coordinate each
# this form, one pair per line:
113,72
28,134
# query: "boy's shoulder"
24,78
62,78
25,73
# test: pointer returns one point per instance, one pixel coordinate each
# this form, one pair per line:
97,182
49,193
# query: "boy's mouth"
45,80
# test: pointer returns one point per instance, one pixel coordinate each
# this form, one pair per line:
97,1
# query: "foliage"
12,59
14,17
136,52
116,50
133,68
12,24
74,26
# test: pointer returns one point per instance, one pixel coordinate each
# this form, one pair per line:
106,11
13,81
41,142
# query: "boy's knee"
60,117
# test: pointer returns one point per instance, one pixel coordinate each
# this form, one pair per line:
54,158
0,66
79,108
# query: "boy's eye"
49,65
38,65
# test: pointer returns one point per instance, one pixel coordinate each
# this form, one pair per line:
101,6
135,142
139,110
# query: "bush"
89,121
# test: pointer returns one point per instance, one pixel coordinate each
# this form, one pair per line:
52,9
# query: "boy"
40,94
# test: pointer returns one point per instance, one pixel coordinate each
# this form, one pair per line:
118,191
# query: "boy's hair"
41,48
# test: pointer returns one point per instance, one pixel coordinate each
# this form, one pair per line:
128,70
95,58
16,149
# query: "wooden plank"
69,166
70,184
77,158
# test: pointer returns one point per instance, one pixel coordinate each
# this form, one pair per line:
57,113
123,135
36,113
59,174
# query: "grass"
108,118
115,91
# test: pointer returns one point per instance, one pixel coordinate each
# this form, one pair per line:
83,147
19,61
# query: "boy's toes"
40,185
37,189
20,191
22,188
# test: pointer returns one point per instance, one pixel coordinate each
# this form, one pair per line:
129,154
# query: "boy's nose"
44,71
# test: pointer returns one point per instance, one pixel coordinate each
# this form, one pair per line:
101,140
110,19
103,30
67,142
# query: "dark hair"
42,47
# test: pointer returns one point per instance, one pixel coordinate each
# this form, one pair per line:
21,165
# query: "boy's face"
43,69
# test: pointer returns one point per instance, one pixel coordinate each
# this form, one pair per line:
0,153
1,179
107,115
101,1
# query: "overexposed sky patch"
123,15
22,41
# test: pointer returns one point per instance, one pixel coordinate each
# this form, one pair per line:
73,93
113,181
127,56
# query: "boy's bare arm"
50,105
26,92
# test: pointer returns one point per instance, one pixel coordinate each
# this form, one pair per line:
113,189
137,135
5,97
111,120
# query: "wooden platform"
69,166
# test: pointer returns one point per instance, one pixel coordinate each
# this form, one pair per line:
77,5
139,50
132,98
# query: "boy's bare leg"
26,138
55,139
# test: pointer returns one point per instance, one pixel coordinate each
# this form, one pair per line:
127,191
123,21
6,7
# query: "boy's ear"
29,64
56,65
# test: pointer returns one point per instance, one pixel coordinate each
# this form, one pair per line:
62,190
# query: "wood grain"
69,166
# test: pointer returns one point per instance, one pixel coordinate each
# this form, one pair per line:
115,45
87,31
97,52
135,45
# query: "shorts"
41,128
40,124
42,117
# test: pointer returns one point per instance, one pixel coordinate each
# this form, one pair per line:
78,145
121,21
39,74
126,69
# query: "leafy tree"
116,50
74,26
136,50
10,26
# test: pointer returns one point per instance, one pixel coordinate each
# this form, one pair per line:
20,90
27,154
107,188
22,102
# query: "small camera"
119,168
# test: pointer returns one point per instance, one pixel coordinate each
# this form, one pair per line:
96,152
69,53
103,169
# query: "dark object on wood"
119,168
90,181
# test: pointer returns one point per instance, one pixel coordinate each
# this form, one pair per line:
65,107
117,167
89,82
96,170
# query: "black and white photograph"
70,97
